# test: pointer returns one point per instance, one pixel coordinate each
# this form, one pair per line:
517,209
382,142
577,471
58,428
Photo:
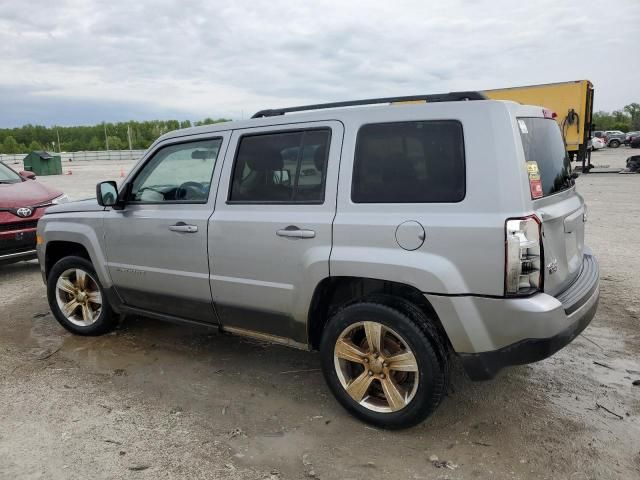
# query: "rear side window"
545,154
409,162
284,167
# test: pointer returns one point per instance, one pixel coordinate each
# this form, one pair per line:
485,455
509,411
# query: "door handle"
183,227
294,232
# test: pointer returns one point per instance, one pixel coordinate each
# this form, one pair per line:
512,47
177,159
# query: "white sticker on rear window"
523,126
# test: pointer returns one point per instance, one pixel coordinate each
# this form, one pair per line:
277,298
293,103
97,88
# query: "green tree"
91,137
633,109
617,120
10,145
115,143
95,144
206,121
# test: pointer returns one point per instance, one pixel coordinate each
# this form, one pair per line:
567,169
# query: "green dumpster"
43,163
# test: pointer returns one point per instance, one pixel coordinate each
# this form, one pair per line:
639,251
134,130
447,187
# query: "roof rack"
439,97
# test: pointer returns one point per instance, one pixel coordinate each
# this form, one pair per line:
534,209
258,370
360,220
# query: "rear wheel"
384,363
77,298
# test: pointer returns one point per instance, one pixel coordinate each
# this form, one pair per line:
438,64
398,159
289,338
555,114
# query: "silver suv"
391,238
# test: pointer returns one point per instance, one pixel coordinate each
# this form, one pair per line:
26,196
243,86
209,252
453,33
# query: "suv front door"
157,245
270,234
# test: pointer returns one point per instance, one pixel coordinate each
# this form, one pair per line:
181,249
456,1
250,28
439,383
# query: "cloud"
111,60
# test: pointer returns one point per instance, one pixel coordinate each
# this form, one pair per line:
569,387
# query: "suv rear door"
270,234
560,208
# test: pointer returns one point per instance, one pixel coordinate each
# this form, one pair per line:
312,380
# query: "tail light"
523,256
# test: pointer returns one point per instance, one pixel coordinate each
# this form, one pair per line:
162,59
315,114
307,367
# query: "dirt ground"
155,400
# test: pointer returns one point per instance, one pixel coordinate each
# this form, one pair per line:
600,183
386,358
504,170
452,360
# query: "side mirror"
27,175
107,193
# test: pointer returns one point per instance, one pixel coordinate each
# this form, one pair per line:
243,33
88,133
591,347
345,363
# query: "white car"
596,143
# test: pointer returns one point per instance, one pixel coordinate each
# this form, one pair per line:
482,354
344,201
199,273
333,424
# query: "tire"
614,143
403,325
66,285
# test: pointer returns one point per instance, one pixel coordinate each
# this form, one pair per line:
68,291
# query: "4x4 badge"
553,267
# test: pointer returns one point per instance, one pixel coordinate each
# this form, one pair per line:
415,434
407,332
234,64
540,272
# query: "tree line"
626,120
114,136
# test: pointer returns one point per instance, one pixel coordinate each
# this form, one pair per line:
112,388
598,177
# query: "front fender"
85,230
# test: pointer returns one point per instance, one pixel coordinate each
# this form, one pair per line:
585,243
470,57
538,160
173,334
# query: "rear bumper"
485,365
490,334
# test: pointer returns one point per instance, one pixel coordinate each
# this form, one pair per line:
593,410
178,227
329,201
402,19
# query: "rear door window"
282,167
409,162
545,152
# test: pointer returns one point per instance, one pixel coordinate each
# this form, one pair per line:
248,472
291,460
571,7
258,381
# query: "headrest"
265,160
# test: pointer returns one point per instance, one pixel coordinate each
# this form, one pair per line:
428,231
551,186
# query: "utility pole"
58,135
106,139
129,135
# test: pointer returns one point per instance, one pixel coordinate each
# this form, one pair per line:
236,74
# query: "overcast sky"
72,62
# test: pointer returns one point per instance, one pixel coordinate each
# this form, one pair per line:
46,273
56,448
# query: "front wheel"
385,364
77,298
614,143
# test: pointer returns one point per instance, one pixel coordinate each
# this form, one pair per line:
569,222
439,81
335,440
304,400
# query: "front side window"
409,162
178,173
283,167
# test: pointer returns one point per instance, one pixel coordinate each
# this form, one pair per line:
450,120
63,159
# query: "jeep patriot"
390,236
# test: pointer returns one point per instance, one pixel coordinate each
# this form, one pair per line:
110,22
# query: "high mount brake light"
523,256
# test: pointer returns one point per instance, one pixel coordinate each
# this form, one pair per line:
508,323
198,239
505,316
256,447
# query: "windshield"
545,153
7,175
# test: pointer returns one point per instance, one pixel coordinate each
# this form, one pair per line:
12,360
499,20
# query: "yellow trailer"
572,102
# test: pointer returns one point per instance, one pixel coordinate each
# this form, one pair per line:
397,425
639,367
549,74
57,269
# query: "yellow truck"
572,102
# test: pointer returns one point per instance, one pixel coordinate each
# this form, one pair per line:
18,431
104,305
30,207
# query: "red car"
22,202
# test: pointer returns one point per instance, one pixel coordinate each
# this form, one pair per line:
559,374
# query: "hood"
25,194
89,205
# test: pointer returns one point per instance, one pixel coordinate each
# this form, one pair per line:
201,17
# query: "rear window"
544,148
409,162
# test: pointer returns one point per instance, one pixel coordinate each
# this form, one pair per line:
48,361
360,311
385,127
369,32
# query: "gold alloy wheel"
376,367
78,297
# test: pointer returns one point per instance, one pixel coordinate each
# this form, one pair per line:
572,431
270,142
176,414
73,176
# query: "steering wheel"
190,191
151,189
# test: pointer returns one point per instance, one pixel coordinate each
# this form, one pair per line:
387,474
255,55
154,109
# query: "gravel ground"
155,400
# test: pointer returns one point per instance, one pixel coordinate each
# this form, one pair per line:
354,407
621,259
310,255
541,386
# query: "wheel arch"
59,249
63,238
333,293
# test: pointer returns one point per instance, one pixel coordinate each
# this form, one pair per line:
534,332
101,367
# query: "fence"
99,155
